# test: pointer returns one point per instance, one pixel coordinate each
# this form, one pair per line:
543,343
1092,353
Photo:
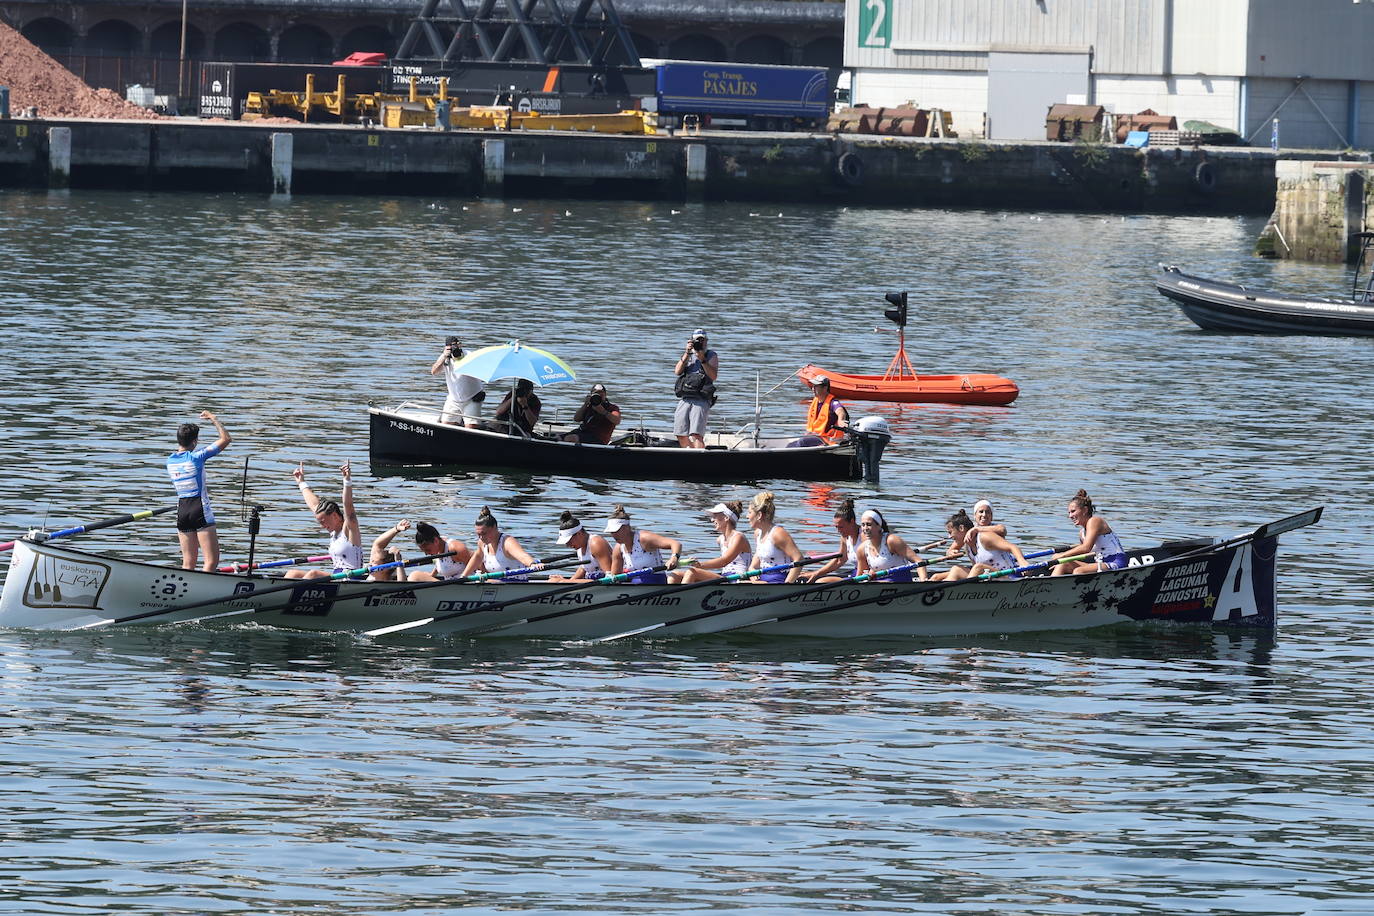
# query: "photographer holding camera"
695,388
465,393
597,418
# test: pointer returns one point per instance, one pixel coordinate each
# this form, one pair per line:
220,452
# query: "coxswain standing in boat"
432,543
1095,537
773,546
195,519
463,406
843,566
496,551
735,555
984,550
696,371
345,534
593,550
639,549
826,417
880,549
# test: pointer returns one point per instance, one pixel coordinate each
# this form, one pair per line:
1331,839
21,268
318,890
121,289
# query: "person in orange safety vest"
826,416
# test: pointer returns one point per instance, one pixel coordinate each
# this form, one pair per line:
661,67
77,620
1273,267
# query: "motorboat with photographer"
414,434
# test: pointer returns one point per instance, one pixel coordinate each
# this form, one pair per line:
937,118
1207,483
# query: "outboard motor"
871,435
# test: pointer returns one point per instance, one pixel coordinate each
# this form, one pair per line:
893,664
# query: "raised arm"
355,531
223,441
312,502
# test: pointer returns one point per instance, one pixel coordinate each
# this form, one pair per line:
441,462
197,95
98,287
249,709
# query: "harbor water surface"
239,769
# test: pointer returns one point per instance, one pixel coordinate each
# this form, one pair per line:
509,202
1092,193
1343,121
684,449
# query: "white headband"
722,509
872,515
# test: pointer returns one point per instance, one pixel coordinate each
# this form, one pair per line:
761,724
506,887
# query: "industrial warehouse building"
997,65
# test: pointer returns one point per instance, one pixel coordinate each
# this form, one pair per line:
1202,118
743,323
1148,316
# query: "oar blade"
628,633
1291,523
398,627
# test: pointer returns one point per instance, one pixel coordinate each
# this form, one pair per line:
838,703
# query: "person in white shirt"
463,405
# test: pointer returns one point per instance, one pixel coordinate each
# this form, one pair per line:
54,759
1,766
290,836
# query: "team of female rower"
868,546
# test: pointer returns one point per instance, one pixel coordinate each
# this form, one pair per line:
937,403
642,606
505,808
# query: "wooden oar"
107,523
811,589
390,588
937,587
273,564
498,605
668,590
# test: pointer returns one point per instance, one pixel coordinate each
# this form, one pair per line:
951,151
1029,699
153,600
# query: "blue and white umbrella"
515,360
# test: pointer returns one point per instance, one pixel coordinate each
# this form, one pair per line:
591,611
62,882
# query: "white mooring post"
696,169
493,166
59,157
283,151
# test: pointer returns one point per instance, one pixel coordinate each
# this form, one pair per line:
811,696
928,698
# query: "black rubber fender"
849,168
1205,177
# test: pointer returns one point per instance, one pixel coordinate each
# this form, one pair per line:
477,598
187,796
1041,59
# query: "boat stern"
47,591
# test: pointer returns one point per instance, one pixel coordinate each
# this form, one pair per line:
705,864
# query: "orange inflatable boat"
969,388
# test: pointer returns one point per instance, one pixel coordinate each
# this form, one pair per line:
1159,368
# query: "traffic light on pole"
898,311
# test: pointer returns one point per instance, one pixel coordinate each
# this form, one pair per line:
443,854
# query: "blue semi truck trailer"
748,96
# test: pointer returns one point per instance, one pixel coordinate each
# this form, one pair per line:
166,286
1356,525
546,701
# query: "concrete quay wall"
842,169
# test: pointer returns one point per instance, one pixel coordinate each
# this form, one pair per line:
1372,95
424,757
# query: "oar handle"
273,564
94,526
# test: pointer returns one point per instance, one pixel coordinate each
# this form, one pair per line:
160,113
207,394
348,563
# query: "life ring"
1205,177
850,169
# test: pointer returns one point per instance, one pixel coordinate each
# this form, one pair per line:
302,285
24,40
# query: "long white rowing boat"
52,586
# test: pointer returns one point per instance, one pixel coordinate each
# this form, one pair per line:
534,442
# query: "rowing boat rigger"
1229,582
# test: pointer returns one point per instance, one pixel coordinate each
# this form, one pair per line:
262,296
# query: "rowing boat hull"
53,586
413,438
969,388
1215,306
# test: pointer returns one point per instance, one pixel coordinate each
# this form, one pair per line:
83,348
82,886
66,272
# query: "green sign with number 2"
875,23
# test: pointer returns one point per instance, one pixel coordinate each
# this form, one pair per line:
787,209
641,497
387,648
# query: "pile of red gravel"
36,80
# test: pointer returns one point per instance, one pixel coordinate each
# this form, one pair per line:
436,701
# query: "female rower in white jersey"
773,546
341,523
880,549
1095,537
497,552
450,554
983,550
593,551
735,554
843,566
638,549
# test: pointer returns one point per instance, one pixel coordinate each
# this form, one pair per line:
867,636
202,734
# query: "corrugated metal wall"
1127,36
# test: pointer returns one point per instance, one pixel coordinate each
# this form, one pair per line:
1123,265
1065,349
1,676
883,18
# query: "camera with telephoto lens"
698,344
595,400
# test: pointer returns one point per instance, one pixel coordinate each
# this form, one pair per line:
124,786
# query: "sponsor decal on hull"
66,583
